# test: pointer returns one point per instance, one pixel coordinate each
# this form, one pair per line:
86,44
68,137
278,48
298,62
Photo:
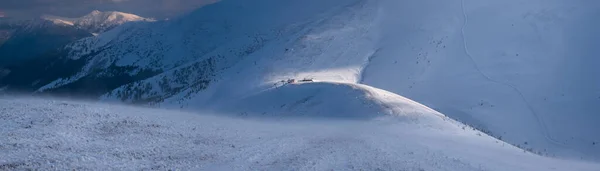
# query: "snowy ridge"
97,21
330,100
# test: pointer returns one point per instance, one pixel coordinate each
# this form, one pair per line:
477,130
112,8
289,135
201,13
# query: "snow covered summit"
97,21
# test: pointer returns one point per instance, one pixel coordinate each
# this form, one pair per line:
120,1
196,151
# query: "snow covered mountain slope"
520,70
173,49
97,21
57,134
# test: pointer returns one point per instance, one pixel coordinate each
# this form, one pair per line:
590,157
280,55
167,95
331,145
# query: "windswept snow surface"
61,135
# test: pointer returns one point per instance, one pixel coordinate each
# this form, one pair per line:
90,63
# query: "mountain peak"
97,21
95,12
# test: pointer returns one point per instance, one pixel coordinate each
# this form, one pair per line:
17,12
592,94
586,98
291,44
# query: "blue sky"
75,8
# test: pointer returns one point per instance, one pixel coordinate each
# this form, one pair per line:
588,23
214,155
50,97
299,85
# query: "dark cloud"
74,8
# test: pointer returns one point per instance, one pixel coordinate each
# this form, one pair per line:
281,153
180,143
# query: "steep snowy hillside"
61,135
520,70
524,71
97,21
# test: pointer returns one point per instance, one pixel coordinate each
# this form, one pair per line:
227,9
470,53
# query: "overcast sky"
75,8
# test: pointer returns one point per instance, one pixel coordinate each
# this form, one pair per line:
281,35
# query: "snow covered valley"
49,134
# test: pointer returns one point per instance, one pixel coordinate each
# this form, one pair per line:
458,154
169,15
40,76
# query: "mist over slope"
49,134
24,40
520,70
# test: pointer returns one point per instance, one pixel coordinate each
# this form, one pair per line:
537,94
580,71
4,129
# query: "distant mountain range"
21,40
97,21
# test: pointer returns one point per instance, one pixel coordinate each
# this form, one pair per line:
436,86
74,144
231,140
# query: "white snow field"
63,135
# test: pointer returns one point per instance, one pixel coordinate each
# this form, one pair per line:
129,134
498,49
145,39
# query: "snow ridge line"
468,53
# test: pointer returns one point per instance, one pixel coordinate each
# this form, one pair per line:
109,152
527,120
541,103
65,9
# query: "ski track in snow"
365,66
539,119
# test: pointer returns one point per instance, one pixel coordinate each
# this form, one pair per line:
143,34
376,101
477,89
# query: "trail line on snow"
468,53
363,69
